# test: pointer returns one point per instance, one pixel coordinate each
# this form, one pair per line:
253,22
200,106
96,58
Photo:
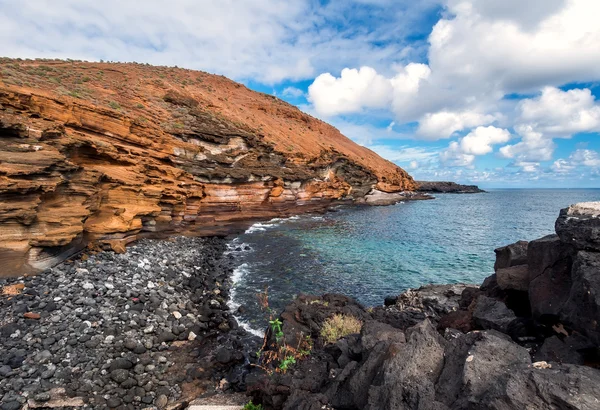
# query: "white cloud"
561,113
292,92
353,91
480,140
561,166
578,158
413,165
356,90
482,50
554,114
404,153
462,153
445,123
586,158
454,156
262,40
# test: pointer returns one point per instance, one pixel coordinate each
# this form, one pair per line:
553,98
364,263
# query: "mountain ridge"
106,153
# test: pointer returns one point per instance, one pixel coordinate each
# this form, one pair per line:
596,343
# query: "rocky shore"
135,330
152,329
527,338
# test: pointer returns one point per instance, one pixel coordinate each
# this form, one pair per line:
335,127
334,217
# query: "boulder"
579,225
477,368
514,277
492,314
564,386
460,320
511,255
555,350
549,261
373,332
581,311
410,371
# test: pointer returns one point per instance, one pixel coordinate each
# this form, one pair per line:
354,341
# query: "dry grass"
339,326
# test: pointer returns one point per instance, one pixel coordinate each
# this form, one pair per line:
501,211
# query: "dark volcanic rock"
400,361
492,314
90,337
579,225
477,369
555,350
447,187
581,311
411,370
511,255
549,262
514,277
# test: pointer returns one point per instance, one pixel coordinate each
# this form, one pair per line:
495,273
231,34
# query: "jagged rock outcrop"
108,153
500,346
445,187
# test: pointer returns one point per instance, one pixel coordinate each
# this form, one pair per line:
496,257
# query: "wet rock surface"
119,330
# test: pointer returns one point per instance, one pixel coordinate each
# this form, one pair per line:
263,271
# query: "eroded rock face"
579,225
114,152
549,263
511,255
582,308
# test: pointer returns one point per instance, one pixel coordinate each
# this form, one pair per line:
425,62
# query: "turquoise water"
371,252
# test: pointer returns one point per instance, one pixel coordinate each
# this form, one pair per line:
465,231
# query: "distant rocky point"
446,187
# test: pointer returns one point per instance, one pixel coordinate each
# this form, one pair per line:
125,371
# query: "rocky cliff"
99,153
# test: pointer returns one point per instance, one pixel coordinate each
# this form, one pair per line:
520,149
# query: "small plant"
279,357
252,406
339,326
139,105
286,363
114,105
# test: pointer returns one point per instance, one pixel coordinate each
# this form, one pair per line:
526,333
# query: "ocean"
371,252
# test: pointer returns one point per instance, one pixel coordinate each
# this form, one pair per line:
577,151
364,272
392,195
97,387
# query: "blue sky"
502,94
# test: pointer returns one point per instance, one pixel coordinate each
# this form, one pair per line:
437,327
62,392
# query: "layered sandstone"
103,153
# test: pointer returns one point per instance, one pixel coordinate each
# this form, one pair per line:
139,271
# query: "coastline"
166,366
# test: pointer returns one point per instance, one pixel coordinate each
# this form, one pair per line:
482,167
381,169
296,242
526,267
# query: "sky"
496,93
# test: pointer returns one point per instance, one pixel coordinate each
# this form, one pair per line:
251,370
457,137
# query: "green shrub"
114,105
252,406
339,326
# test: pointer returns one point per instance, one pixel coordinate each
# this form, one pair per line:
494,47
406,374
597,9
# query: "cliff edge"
106,153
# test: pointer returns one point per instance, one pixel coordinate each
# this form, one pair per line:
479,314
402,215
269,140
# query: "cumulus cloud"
482,50
445,123
356,90
454,156
480,141
261,40
578,159
351,92
553,114
561,113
